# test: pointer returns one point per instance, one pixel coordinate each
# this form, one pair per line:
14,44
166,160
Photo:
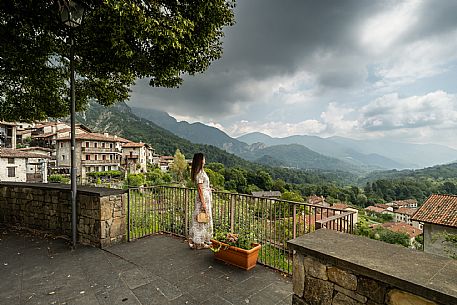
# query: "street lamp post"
72,14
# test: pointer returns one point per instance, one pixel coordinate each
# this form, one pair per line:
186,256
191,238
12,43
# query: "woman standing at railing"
201,230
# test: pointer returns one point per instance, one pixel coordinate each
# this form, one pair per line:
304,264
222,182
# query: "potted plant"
236,249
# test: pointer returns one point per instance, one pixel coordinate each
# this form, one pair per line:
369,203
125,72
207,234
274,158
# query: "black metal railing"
271,222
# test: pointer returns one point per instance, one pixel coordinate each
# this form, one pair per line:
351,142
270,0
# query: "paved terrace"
153,270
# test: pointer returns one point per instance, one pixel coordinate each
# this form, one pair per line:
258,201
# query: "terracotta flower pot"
242,258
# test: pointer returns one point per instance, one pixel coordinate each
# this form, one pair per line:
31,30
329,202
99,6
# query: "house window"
87,157
87,144
95,144
111,145
10,160
61,144
103,145
11,172
104,157
63,157
96,157
111,157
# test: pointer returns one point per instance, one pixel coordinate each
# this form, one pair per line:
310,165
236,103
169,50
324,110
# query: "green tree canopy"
179,166
118,42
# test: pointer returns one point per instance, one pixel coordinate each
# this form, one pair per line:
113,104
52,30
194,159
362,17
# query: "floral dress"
202,232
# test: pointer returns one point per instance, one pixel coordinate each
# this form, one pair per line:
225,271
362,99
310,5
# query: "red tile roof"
404,202
401,227
14,153
374,209
406,211
35,148
95,137
438,209
44,135
315,199
382,206
340,205
133,145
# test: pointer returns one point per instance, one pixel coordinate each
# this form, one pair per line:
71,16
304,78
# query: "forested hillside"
419,184
122,121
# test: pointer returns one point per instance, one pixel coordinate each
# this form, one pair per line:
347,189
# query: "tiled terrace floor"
154,270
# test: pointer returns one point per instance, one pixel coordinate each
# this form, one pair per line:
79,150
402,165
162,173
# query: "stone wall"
332,268
101,213
434,242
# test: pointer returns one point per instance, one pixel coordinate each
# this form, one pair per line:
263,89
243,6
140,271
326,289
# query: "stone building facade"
94,153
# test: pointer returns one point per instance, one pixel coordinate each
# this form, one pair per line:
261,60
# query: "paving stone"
167,289
149,295
155,270
134,278
217,300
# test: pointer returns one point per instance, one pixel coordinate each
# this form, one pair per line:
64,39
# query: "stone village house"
23,166
439,215
136,156
94,153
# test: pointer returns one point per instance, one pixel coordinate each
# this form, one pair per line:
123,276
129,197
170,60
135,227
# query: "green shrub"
58,179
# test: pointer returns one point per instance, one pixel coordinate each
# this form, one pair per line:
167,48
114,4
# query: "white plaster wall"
21,170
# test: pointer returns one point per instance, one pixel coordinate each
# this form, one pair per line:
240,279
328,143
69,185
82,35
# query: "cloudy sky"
359,69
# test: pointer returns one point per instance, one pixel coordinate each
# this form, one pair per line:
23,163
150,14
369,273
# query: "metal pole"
73,141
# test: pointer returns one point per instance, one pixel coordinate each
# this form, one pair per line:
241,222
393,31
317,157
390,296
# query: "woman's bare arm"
200,193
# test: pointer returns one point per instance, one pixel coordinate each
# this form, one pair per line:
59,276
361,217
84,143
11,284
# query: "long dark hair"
197,165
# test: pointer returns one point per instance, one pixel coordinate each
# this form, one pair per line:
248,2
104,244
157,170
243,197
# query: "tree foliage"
118,42
179,167
155,176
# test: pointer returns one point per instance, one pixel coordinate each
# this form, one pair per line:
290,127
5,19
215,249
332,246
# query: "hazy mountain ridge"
300,157
194,132
201,133
120,120
437,172
381,153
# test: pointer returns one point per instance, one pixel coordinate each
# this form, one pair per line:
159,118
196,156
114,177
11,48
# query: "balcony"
154,270
96,162
329,266
100,150
132,156
272,221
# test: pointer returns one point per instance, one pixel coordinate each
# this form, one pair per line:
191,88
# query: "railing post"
128,215
294,220
232,213
186,216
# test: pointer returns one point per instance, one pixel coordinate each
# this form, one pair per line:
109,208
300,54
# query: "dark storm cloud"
436,17
271,38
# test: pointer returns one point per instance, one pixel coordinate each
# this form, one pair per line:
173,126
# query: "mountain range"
194,132
304,152
119,119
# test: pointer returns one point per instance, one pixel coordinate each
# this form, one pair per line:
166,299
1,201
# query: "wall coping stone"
101,191
430,276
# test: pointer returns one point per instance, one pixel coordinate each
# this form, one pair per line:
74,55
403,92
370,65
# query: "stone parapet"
101,213
333,268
